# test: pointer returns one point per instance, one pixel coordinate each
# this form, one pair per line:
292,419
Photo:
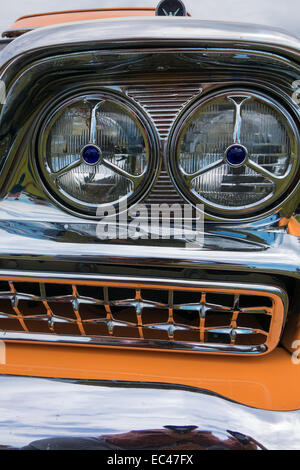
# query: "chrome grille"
163,101
164,191
209,317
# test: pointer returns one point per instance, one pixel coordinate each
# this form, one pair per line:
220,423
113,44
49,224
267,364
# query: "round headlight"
236,152
97,150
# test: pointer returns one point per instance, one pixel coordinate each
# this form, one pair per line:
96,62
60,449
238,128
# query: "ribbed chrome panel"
207,317
164,191
163,101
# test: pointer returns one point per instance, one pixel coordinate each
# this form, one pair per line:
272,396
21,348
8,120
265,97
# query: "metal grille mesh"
194,316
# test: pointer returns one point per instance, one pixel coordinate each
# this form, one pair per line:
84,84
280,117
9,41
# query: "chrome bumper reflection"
94,413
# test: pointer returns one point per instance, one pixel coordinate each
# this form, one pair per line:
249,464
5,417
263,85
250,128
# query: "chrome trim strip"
155,345
279,256
29,276
140,31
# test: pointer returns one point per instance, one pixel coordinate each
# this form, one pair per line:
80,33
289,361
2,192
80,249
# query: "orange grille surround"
191,316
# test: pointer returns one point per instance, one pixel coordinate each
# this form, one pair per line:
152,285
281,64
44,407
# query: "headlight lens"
236,152
96,151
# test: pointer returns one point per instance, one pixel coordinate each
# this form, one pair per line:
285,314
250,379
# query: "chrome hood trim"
95,409
150,31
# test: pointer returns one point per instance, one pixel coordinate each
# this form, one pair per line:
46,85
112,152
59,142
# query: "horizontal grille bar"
200,316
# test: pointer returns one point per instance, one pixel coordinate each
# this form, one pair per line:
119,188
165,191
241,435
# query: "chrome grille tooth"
107,303
172,327
42,290
202,316
233,335
51,323
75,305
14,302
50,315
259,309
235,313
236,302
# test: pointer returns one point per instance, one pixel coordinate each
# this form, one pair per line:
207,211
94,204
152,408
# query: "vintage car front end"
149,239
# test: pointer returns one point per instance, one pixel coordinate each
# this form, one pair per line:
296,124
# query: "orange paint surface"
294,227
269,382
47,19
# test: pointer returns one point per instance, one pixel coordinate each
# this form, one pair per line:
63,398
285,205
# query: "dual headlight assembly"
236,152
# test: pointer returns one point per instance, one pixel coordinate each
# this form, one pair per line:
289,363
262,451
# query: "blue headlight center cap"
91,154
236,155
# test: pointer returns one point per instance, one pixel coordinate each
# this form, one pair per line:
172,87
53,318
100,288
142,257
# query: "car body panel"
258,382
29,22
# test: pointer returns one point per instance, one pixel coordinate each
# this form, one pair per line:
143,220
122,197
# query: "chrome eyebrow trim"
146,30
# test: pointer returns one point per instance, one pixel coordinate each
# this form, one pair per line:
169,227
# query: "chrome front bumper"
58,414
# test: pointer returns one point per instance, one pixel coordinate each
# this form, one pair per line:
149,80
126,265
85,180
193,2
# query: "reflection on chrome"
169,438
63,410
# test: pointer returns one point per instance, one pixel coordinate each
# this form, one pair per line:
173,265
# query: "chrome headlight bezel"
67,202
284,191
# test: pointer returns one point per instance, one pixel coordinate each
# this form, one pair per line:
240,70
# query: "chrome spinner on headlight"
235,151
96,150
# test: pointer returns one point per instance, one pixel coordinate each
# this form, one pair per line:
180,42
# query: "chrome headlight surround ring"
142,184
286,185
